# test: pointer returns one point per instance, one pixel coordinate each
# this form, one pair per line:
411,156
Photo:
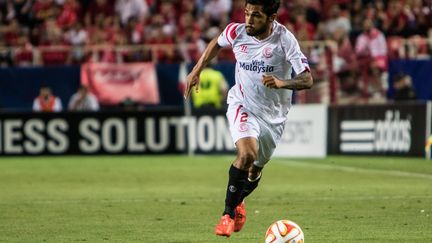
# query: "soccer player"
268,56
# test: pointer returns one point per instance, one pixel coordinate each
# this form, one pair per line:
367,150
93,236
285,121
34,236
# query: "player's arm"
302,81
299,64
193,77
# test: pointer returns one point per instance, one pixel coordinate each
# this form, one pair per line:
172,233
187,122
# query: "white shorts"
245,124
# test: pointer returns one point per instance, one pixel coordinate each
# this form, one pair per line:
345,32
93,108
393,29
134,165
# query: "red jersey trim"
230,32
237,112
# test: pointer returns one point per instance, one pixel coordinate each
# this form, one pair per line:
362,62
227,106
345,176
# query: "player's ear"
272,17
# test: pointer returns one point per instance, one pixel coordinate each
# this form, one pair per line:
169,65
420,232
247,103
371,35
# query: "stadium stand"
58,32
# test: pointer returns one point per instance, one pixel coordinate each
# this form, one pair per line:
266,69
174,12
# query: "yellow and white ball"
284,231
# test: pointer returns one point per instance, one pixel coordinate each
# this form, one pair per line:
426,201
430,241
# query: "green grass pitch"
180,199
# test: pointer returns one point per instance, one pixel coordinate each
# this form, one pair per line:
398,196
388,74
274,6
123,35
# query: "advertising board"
393,129
305,132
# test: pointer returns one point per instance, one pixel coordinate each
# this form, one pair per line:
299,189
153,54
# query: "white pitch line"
354,169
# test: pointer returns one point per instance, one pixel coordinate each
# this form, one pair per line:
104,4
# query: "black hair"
270,7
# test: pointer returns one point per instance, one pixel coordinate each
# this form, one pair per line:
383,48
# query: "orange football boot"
240,217
225,226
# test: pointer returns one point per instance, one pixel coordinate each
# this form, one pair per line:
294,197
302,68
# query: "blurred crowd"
366,32
75,24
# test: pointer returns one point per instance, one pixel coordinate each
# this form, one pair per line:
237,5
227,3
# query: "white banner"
305,132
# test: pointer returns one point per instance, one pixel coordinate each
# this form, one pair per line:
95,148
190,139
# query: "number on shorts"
244,117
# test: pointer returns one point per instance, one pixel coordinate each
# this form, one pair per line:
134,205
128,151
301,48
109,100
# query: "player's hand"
270,81
192,80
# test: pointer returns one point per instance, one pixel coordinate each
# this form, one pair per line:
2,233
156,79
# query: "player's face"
257,22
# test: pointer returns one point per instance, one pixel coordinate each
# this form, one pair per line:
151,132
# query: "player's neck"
266,34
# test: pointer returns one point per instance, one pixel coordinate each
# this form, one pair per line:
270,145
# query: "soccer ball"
284,231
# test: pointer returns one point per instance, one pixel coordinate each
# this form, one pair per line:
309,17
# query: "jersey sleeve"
294,55
228,35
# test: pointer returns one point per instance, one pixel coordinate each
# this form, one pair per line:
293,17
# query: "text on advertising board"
393,134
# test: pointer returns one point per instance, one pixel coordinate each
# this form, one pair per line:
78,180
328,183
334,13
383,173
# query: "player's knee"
246,158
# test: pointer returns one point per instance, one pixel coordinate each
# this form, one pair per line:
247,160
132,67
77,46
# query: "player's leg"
268,139
244,131
266,148
251,184
247,149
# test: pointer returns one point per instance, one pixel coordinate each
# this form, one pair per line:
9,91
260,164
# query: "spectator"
213,89
371,49
12,33
169,15
284,13
313,12
345,64
304,30
106,34
337,21
237,13
421,17
68,14
83,100
127,9
99,9
5,58
165,52
357,17
372,42
188,36
55,49
189,7
403,88
135,31
43,10
78,37
114,22
187,22
21,10
46,101
398,19
217,11
23,55
381,16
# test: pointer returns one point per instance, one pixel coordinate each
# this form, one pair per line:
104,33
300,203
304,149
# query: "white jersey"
276,55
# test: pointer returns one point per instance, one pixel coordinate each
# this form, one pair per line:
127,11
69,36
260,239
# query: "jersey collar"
274,25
